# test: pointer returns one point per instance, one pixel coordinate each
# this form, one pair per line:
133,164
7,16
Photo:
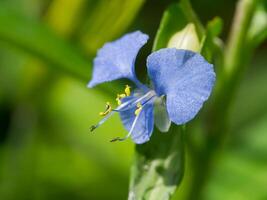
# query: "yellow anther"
119,97
108,110
118,100
127,90
139,108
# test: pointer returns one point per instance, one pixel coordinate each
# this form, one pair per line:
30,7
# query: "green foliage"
258,29
240,170
106,21
170,24
36,38
210,47
46,150
159,166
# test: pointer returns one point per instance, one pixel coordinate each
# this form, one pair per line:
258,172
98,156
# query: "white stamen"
131,130
150,95
124,107
92,128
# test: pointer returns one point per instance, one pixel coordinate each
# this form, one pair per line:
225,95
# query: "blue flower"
181,81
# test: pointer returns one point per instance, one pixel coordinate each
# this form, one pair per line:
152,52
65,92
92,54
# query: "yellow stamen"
119,97
118,100
139,108
127,90
108,110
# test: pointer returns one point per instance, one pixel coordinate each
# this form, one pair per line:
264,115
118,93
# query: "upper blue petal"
185,77
145,123
116,59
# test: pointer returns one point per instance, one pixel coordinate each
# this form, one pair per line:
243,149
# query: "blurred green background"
46,150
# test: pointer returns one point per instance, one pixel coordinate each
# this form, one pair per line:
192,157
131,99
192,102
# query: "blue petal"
116,59
145,123
185,77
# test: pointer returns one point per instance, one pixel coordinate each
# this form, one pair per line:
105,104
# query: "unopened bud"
185,39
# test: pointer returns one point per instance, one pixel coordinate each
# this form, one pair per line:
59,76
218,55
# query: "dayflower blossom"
181,81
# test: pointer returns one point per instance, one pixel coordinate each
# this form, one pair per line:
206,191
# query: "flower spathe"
182,81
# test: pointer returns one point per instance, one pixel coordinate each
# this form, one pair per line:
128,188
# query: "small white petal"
161,117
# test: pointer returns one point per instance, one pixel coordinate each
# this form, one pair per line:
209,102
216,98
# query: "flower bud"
185,39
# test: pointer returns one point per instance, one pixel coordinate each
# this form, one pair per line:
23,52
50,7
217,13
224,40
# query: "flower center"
126,103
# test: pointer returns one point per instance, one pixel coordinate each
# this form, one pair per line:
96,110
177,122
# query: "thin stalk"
235,62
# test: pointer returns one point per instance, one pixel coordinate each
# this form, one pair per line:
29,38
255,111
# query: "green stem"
236,58
234,64
238,37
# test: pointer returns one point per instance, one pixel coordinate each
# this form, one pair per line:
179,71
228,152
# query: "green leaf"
64,16
159,166
258,29
107,20
175,18
184,13
34,37
215,26
209,46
